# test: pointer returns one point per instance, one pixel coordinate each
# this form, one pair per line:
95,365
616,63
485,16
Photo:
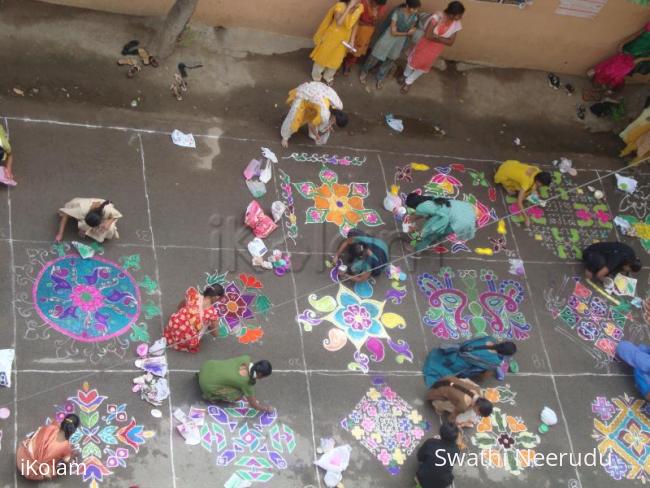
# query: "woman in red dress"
441,30
372,11
193,317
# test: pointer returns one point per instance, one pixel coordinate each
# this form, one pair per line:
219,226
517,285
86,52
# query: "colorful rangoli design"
445,183
360,320
505,442
91,306
634,209
334,160
290,219
255,444
592,318
454,313
569,222
90,300
241,307
340,204
386,425
106,437
622,430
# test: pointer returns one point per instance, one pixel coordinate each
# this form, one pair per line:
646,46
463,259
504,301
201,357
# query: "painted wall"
493,34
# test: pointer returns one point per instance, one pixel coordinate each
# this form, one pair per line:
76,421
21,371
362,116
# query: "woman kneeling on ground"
443,217
193,317
473,358
40,454
96,218
363,255
232,380
521,179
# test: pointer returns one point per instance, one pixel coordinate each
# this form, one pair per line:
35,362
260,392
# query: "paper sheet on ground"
184,140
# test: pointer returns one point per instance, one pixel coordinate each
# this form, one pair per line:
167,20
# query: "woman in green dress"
443,217
400,26
231,380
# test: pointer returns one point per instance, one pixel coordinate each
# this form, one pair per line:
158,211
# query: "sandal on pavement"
404,89
133,70
380,84
144,56
127,62
130,47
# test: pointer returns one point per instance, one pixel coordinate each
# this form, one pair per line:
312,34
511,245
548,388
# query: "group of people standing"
361,32
357,29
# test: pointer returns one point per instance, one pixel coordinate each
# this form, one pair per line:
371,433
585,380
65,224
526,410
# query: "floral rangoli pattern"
337,203
88,307
622,430
107,436
386,425
456,313
360,320
505,442
241,307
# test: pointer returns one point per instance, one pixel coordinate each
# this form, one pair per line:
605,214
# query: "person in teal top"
364,256
469,359
398,28
444,217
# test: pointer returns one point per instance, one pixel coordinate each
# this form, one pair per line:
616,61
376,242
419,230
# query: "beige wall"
493,34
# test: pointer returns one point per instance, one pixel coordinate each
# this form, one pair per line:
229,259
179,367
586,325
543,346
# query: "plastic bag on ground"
6,361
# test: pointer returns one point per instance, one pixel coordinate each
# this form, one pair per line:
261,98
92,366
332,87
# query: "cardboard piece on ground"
624,285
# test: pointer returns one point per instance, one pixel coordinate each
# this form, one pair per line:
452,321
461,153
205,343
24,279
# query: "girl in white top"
96,218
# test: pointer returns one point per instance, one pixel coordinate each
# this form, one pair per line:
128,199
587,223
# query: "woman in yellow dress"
637,137
521,179
338,28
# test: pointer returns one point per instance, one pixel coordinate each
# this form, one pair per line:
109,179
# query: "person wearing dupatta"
338,28
193,316
637,356
313,104
521,179
443,217
40,454
637,137
372,11
469,359
441,30
395,31
632,52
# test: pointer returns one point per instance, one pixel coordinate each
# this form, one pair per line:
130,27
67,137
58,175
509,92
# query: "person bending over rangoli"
232,380
443,217
363,255
45,449
192,318
521,179
609,258
96,218
313,104
476,357
461,399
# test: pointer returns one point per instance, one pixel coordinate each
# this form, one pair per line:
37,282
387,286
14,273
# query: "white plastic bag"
257,247
277,210
6,361
267,173
334,461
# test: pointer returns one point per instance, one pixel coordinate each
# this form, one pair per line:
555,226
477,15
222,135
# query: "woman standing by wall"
372,11
338,27
441,31
390,44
